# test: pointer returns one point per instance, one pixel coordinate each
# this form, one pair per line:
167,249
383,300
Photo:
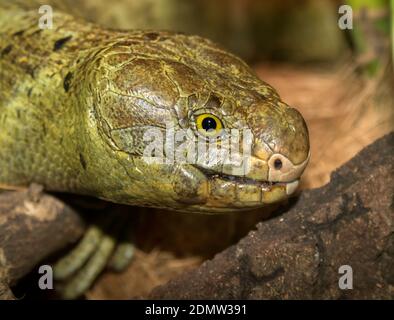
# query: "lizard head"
192,127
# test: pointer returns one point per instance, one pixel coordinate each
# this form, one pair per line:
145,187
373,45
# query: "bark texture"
32,226
297,255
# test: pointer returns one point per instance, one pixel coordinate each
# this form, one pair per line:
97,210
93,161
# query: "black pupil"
209,124
278,164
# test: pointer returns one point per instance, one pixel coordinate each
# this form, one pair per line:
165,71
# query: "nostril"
278,164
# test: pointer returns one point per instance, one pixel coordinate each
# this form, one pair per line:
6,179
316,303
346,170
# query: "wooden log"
32,226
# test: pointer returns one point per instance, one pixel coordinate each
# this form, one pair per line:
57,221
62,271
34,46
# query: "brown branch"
297,254
32,226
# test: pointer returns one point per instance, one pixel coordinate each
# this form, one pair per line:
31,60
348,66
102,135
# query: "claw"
85,277
124,251
78,256
122,256
80,268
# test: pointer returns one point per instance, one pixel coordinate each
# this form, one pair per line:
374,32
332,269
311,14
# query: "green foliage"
369,4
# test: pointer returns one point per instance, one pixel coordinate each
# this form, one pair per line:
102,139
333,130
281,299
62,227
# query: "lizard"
77,100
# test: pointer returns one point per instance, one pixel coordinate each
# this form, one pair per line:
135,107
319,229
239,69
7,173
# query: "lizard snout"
281,169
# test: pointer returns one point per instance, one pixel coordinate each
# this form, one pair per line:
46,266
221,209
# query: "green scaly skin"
76,100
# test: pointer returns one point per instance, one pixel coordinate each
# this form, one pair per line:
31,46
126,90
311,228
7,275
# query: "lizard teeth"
291,187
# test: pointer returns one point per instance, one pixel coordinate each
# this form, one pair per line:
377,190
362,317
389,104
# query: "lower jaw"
233,194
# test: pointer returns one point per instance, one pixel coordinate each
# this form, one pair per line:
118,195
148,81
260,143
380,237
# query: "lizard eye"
208,124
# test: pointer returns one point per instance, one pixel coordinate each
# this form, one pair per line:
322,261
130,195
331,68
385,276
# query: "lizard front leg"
104,244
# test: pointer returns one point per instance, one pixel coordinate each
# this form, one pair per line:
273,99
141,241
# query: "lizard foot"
106,243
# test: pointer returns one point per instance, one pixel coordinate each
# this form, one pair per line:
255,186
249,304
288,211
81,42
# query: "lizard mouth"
248,181
263,184
239,192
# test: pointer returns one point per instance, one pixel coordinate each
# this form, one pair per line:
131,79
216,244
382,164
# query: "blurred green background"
290,30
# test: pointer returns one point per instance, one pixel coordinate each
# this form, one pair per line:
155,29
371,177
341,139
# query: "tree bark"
297,254
32,226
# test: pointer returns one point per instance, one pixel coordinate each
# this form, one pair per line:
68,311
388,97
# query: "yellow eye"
208,124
